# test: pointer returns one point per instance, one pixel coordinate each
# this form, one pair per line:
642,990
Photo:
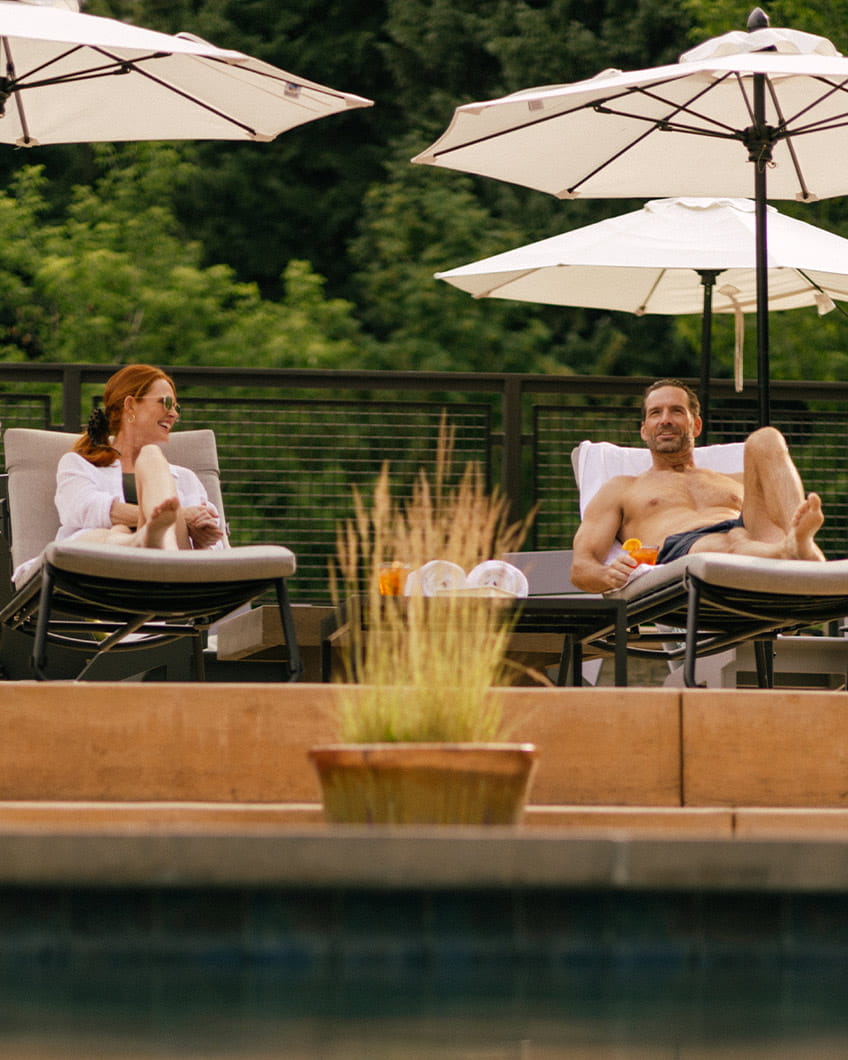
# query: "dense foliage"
318,250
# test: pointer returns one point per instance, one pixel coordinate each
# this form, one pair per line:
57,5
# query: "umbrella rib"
721,131
835,302
8,90
521,126
820,126
92,73
657,125
182,94
643,308
125,64
116,66
50,62
805,191
687,108
291,83
841,87
668,125
513,277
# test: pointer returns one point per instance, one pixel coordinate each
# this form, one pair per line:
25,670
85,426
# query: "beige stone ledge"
247,743
765,748
139,818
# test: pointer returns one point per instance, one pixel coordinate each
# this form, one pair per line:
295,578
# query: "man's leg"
773,487
778,520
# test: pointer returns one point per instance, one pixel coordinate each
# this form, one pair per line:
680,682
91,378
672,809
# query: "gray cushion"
793,577
246,563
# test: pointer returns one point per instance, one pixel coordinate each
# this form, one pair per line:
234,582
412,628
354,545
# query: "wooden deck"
656,761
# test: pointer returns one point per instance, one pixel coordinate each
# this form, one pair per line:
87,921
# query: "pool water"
598,1011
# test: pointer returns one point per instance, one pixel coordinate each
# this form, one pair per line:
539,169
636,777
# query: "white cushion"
596,462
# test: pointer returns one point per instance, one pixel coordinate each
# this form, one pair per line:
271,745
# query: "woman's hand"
202,526
123,514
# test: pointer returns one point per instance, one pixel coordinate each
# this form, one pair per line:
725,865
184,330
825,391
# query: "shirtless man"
686,509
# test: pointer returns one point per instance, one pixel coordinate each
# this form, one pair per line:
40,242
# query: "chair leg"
38,660
764,654
693,611
620,657
197,647
294,668
568,660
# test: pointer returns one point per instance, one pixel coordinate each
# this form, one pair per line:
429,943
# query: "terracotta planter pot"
424,783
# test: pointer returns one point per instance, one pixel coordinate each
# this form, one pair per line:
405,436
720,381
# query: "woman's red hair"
132,381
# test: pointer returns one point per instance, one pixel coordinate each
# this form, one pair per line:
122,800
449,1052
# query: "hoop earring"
131,417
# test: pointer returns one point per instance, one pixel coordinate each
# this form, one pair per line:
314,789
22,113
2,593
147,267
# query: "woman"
116,486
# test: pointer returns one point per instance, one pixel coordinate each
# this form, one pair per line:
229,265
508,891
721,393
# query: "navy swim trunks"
677,545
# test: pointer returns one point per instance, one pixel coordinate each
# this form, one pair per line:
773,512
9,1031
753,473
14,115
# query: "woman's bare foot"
806,521
158,531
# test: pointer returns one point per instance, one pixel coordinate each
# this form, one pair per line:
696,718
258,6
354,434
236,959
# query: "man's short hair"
691,396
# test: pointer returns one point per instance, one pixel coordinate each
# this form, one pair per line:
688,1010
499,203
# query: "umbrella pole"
762,300
760,154
708,279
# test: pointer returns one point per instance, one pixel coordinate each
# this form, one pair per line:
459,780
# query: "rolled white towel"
436,576
498,574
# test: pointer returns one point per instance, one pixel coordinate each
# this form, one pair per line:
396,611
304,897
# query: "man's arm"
594,539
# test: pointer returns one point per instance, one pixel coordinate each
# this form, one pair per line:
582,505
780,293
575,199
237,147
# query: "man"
686,509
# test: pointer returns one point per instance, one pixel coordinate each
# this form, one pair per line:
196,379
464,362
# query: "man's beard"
671,445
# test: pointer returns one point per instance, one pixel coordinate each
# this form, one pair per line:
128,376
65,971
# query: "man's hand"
202,526
618,572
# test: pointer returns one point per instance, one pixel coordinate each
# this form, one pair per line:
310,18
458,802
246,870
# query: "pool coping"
417,859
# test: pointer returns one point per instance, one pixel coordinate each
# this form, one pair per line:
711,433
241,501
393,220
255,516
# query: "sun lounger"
714,600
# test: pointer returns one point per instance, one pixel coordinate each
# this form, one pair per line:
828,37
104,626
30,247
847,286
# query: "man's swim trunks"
677,545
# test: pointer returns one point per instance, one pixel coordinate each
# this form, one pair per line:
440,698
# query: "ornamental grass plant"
419,669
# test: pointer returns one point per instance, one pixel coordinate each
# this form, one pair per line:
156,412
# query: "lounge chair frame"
128,611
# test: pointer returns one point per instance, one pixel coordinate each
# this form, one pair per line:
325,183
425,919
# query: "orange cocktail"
641,553
392,578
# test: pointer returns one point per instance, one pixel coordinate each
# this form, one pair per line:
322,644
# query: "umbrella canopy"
674,256
616,135
649,261
74,78
775,98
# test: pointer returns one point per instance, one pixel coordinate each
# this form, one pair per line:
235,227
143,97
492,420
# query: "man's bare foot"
806,521
157,532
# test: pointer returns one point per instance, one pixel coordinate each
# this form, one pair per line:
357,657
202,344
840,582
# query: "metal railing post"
71,399
512,443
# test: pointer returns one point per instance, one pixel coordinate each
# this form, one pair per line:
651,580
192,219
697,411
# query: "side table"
578,618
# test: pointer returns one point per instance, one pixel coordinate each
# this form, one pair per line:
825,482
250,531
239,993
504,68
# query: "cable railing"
293,445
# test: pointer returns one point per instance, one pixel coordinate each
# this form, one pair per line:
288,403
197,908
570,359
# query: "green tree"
710,18
116,280
324,243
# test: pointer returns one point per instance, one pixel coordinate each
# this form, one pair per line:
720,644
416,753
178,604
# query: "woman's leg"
161,523
161,520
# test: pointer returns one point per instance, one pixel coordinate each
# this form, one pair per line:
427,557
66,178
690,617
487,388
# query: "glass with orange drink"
392,578
641,553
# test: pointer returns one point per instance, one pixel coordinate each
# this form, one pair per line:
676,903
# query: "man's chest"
691,490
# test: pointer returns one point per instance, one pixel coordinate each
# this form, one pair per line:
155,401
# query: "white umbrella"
74,78
773,97
674,256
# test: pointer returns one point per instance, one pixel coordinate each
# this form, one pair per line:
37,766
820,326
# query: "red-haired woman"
116,485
